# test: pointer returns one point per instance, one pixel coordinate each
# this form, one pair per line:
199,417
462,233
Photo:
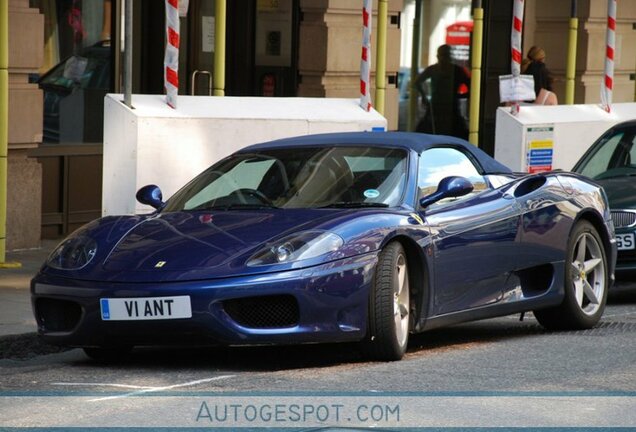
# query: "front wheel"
389,306
586,283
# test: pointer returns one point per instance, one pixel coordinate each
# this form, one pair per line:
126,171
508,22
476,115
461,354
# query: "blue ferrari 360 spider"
333,238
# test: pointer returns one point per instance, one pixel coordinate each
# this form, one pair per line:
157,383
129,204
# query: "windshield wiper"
349,204
238,206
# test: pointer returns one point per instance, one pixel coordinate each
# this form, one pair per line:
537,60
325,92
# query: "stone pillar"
330,48
547,24
24,194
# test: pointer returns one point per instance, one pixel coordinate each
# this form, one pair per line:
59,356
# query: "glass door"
199,59
275,48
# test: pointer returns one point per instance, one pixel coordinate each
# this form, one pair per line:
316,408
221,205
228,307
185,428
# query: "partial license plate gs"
625,241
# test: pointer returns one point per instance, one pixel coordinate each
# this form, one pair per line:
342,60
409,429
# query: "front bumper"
331,301
626,259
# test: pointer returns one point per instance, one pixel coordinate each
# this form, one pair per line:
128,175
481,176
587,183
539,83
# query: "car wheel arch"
419,274
597,222
587,256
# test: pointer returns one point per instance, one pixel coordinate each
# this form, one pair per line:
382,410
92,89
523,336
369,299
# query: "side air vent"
535,280
529,185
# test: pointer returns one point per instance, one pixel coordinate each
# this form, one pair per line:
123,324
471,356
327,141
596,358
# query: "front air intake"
54,315
263,312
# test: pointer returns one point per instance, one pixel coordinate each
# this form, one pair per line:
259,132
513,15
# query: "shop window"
75,75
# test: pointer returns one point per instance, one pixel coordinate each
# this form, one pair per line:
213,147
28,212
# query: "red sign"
539,169
269,85
459,33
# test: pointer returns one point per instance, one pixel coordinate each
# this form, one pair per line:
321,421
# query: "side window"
599,162
438,163
632,153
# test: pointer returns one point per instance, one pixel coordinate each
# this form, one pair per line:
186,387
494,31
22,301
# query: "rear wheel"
586,283
389,306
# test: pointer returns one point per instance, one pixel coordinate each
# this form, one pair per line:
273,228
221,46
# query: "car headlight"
73,253
296,247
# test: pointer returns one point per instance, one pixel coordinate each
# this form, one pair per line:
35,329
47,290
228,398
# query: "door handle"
208,74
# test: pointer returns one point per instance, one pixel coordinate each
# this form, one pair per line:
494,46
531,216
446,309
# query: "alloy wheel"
401,301
588,273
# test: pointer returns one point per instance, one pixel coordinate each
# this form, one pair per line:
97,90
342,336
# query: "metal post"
380,66
128,58
475,80
570,71
4,130
116,26
220,13
4,121
415,66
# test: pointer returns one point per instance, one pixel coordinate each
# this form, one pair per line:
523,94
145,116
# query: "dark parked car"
74,91
611,162
333,238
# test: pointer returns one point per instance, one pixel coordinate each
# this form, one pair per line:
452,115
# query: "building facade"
24,173
274,48
546,24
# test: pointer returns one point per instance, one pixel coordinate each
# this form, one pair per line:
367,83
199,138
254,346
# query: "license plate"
625,241
145,308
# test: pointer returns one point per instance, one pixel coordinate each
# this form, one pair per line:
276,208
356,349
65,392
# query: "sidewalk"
16,315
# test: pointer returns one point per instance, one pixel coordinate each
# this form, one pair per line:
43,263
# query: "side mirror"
449,187
150,195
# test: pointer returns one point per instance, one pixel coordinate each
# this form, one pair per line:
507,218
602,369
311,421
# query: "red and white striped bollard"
515,38
365,63
608,81
515,45
171,58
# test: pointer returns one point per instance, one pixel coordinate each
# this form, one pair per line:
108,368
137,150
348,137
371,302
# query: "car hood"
621,192
186,246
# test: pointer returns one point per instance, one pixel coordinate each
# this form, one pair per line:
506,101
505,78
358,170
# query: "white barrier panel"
552,137
154,144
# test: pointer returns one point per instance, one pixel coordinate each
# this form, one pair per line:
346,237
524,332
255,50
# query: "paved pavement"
16,316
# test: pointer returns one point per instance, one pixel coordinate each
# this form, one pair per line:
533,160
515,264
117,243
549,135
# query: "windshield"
300,177
612,156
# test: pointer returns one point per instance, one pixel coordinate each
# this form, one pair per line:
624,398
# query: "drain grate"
603,328
607,328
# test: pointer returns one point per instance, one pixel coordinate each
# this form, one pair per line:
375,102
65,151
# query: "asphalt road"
498,355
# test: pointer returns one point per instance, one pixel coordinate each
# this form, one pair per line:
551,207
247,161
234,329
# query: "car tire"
586,283
389,306
108,354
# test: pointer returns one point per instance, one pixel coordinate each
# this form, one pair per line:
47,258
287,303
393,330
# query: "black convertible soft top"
408,140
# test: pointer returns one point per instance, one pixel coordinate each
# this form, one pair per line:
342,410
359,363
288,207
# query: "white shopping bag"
516,88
